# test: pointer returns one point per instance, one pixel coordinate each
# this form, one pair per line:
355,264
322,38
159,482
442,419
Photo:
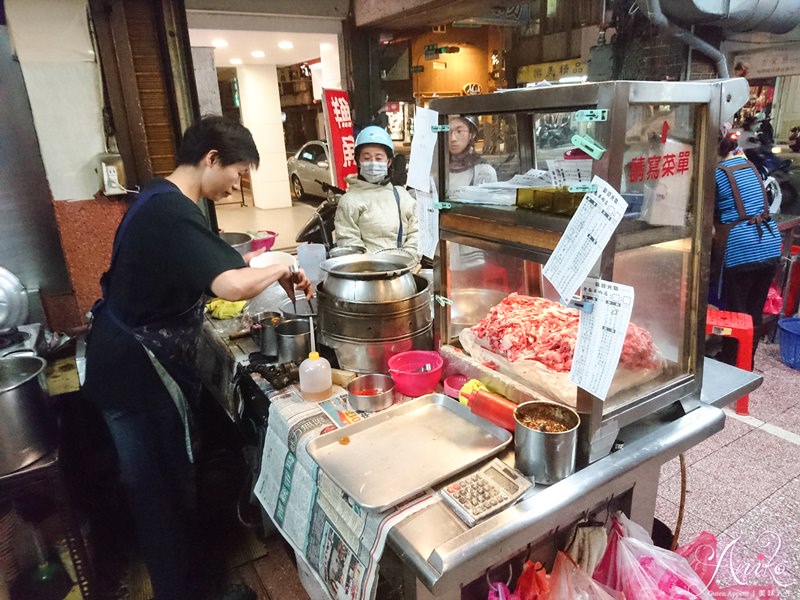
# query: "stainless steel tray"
398,453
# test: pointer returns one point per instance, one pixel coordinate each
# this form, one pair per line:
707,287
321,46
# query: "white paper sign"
428,220
585,238
422,145
601,334
569,172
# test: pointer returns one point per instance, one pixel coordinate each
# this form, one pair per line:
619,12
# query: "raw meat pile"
527,328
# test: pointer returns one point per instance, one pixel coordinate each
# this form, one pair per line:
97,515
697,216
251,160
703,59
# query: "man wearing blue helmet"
374,214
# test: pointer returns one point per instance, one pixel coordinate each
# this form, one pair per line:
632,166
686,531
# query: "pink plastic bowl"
453,385
265,242
404,368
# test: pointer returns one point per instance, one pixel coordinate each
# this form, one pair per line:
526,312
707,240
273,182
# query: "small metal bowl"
371,402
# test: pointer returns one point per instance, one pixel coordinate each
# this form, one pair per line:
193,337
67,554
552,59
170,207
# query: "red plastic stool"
739,326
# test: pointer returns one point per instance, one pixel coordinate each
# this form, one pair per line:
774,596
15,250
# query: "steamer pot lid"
16,370
13,300
369,266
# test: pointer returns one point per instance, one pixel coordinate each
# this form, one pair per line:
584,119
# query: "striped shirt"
744,245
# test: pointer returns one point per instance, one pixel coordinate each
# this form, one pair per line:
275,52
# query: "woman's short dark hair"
726,146
232,140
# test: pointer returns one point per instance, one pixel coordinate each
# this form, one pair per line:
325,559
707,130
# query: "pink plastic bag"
500,591
643,571
774,301
568,582
703,556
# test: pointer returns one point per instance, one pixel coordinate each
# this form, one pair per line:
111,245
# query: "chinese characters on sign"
658,166
551,71
601,334
339,129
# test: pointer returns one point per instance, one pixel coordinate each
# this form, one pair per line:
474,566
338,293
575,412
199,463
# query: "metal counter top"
443,553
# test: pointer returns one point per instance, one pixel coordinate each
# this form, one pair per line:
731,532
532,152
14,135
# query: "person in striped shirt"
749,237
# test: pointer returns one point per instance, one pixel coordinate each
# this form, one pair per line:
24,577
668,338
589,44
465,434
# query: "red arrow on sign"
664,131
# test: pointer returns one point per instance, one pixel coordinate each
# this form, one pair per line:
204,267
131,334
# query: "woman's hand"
296,280
251,255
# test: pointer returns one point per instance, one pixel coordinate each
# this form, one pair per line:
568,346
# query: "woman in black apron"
141,354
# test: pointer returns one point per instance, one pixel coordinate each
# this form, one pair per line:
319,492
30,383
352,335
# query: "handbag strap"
399,217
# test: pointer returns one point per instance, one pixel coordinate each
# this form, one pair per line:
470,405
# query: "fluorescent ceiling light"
439,65
573,79
285,45
257,54
236,61
219,43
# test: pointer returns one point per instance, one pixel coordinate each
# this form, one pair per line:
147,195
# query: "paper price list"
584,239
601,334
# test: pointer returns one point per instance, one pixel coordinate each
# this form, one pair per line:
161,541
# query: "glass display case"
655,143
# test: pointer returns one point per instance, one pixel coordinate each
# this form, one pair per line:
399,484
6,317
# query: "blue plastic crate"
789,340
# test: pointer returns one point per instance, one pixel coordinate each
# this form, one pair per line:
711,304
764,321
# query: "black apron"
170,342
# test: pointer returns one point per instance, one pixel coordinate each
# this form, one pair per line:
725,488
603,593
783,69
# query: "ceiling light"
236,61
285,45
573,79
219,43
439,65
257,54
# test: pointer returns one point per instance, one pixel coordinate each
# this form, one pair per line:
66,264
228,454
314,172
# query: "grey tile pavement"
743,485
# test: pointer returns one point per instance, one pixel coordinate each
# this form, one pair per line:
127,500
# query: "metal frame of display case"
533,235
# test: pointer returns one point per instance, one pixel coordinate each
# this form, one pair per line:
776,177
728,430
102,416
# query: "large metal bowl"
370,277
241,242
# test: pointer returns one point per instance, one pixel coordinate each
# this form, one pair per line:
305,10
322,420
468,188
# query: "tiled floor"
286,222
743,485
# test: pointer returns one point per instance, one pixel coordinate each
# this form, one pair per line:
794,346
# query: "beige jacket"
367,217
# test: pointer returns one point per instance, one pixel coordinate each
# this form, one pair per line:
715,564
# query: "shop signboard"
339,132
552,71
773,62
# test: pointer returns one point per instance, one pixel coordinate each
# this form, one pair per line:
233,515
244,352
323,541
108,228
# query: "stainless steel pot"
365,334
369,277
547,456
241,242
27,430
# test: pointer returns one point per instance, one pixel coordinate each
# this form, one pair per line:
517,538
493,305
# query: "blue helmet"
375,135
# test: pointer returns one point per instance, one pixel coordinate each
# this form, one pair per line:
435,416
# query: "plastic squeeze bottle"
315,378
492,407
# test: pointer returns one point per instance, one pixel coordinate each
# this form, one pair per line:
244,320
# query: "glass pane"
552,137
659,163
481,149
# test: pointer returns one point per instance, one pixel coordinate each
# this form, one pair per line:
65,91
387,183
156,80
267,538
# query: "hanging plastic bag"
568,582
533,582
500,591
702,555
643,571
774,301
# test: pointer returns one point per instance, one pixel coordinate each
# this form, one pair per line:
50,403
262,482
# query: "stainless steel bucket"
263,332
294,340
27,429
547,456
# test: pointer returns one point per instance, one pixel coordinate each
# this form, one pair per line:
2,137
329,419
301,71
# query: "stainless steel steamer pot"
27,429
369,277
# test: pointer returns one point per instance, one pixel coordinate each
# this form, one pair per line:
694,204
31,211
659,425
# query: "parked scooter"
775,171
319,228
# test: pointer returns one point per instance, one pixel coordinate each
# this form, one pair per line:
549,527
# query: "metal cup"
548,457
294,340
263,332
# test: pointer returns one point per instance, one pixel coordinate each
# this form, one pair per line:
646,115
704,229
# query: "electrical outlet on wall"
112,175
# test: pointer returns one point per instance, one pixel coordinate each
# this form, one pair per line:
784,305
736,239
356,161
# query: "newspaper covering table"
340,541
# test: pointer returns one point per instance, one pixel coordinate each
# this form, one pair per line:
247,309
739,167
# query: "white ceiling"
242,43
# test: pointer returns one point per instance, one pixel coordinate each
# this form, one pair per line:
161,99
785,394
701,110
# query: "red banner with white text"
339,129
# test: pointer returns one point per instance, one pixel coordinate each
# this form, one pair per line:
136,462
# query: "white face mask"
374,172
